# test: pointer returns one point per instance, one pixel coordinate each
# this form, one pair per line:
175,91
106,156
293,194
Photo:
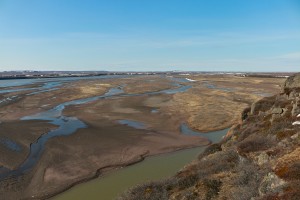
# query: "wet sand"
20,135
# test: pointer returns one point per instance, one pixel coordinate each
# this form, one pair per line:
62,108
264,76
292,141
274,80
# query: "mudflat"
142,118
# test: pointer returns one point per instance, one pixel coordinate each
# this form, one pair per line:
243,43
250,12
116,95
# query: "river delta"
57,133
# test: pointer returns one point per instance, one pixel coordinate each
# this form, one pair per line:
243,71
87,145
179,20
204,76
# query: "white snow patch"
45,105
184,74
191,80
298,115
296,123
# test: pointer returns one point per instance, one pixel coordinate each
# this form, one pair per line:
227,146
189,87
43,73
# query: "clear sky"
144,35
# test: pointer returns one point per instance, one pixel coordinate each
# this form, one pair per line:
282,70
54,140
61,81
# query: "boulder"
262,158
293,94
292,82
277,110
270,183
295,109
263,105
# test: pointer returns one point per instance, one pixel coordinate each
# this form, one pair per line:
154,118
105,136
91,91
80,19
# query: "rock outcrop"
292,82
259,159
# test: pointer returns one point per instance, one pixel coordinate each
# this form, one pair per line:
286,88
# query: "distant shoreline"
42,77
58,75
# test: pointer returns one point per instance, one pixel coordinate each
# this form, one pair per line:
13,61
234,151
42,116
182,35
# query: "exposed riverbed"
69,125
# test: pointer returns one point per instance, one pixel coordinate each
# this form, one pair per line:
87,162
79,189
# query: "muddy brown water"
153,168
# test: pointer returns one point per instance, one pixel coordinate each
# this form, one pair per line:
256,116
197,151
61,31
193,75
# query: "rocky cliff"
259,159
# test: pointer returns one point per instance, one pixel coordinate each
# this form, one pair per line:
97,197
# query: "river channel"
112,184
153,168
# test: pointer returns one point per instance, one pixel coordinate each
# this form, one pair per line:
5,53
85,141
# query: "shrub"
285,134
187,181
289,172
255,143
266,124
210,150
217,162
270,197
279,125
148,191
244,181
213,188
247,132
292,191
247,174
189,195
241,193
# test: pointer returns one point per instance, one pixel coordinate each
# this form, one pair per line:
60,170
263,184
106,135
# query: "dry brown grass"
231,169
288,166
285,134
292,191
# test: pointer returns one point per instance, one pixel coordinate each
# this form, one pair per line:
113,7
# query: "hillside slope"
258,159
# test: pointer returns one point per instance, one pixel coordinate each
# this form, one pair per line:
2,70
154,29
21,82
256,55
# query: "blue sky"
145,35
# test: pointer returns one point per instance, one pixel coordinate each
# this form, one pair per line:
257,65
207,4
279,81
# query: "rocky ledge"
259,159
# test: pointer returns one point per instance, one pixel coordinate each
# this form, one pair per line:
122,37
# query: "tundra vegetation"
258,159
212,102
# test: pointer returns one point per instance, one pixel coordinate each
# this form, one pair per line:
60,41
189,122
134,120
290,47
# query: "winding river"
68,125
112,184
